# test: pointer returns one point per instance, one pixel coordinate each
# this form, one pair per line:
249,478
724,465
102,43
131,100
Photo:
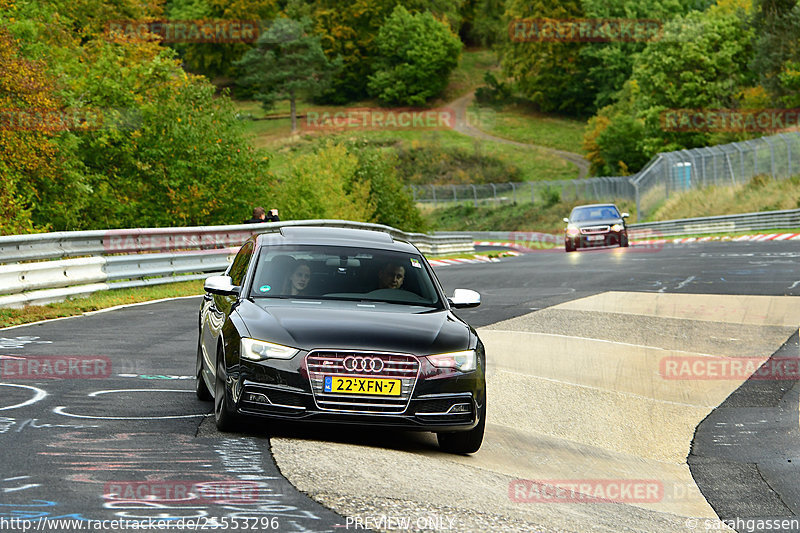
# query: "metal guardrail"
146,256
766,220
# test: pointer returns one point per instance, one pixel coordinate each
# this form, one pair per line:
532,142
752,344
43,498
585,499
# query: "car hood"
311,324
600,222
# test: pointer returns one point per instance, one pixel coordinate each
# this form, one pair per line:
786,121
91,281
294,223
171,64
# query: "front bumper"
610,238
437,401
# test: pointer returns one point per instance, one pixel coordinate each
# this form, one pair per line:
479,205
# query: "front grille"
589,230
331,363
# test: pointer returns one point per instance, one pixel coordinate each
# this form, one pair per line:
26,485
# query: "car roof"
358,238
594,205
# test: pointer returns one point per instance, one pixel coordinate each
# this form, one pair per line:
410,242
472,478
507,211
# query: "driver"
391,276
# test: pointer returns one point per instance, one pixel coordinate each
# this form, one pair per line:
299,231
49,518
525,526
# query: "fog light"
460,408
258,398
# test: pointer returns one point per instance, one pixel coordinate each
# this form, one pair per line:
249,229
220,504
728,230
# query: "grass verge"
518,122
98,300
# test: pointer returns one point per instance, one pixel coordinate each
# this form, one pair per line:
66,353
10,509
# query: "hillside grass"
522,123
761,193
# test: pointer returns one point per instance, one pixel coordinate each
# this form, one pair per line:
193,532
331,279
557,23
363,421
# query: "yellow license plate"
352,385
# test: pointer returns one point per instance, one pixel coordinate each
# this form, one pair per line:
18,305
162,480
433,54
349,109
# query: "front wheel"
569,247
224,416
463,442
623,242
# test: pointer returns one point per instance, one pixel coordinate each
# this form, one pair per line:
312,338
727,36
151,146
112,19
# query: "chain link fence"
667,173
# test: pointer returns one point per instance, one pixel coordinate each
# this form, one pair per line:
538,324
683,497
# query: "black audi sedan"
595,225
343,326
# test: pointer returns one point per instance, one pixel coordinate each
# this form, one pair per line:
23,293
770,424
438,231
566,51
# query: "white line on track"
685,282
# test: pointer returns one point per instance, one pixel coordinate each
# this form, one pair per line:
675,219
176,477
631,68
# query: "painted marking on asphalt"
61,410
40,395
685,282
795,284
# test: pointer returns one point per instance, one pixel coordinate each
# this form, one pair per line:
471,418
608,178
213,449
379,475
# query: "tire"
224,417
463,442
200,387
623,242
569,247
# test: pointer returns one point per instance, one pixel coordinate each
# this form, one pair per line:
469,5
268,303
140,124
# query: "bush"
416,54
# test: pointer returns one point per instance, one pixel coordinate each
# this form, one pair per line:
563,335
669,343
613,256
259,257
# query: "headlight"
260,350
464,361
617,227
572,230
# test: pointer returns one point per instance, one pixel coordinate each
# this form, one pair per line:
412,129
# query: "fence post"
494,192
532,189
455,195
514,189
771,156
788,155
433,188
474,194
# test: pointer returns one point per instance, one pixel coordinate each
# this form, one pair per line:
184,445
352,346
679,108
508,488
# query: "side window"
240,262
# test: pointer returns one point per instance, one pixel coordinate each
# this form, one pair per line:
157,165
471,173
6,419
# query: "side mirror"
221,285
625,215
465,298
565,220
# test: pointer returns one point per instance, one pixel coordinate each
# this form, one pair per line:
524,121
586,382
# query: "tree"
777,47
416,54
286,62
699,64
324,185
552,74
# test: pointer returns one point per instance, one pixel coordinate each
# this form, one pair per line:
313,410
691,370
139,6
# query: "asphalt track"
72,446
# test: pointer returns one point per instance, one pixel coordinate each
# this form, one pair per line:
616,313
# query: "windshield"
341,273
602,212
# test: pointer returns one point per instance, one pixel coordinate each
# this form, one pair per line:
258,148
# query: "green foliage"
777,47
416,54
218,59
549,74
325,184
163,150
482,22
286,62
352,180
700,63
394,206
430,163
495,92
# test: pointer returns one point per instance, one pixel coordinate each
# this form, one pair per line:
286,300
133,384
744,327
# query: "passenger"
297,282
391,276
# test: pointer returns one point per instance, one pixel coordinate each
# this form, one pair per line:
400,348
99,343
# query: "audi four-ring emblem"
363,364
